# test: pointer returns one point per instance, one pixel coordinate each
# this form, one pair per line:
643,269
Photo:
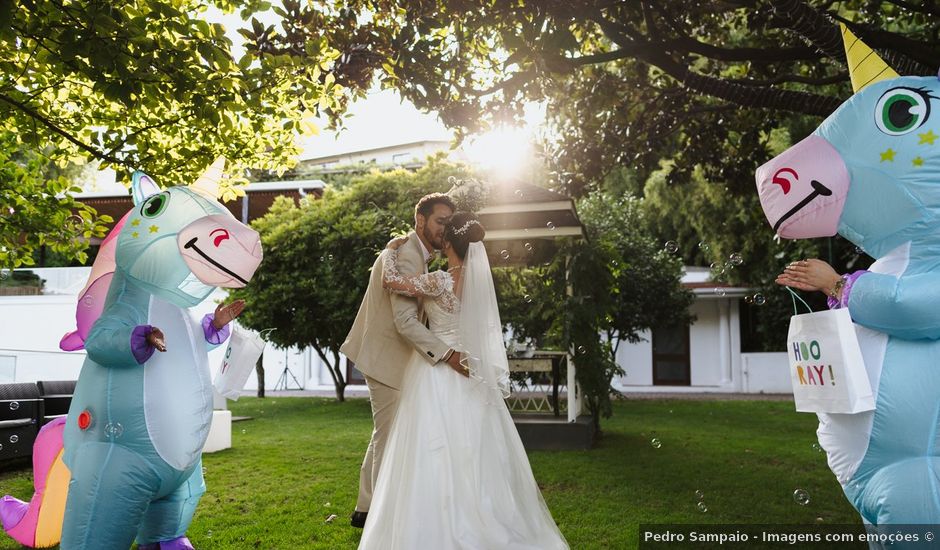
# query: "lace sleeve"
431,284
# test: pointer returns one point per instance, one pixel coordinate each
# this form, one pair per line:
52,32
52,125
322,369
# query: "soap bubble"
736,258
671,247
656,443
801,497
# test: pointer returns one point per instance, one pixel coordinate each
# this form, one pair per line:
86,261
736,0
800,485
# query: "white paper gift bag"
826,365
244,349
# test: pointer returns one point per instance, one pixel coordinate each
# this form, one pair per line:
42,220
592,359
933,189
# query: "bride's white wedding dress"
454,473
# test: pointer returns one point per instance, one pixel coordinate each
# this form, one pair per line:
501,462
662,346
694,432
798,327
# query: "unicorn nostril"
820,188
218,236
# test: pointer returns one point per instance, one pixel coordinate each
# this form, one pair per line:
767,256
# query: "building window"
671,365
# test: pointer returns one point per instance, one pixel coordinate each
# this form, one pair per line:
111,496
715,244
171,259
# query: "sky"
381,118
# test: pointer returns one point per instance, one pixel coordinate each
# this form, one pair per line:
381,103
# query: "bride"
455,474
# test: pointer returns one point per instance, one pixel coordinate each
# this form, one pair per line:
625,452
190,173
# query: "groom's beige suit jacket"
389,326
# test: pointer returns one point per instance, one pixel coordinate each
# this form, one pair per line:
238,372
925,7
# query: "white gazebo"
523,223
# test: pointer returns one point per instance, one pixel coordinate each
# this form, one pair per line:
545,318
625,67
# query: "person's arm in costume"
907,307
217,326
119,337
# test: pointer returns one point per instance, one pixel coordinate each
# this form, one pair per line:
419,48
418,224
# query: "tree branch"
48,124
746,96
834,79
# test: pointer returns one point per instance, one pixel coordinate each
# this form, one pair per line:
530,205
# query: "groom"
386,330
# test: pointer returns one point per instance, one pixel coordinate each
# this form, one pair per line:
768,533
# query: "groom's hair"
425,206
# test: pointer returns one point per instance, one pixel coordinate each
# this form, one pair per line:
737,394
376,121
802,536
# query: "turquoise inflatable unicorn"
142,407
871,172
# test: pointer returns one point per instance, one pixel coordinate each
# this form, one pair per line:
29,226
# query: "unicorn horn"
865,67
208,182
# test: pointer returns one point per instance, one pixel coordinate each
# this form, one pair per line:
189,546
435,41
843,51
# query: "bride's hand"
454,363
395,243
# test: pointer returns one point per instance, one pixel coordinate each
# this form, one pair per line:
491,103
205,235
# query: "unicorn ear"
142,186
865,67
208,182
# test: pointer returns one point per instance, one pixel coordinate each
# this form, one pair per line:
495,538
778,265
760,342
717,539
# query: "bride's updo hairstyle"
462,229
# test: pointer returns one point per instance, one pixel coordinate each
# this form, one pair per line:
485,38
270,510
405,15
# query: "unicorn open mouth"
819,190
191,245
220,251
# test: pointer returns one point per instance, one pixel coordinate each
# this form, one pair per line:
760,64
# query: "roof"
522,222
699,281
357,151
259,195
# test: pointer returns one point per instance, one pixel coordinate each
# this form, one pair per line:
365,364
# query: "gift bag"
244,349
826,366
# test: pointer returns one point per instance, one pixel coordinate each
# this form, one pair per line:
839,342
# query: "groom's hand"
454,362
395,243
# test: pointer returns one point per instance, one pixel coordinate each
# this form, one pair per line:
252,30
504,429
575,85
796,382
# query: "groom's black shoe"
359,519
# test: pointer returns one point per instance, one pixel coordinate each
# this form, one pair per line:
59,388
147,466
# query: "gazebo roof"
522,222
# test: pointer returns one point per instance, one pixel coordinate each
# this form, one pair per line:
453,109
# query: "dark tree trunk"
339,381
259,369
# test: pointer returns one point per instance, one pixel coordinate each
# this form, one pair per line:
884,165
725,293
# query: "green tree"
622,283
317,257
626,81
152,85
36,209
710,86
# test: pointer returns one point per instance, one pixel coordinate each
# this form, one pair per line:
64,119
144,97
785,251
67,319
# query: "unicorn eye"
155,205
901,110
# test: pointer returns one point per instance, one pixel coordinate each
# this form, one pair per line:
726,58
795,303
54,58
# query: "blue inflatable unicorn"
871,172
142,407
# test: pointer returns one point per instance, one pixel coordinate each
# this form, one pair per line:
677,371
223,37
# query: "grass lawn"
297,463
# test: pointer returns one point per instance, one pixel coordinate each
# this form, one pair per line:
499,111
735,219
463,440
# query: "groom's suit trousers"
384,406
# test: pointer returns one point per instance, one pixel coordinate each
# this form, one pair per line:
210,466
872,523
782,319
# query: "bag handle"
794,296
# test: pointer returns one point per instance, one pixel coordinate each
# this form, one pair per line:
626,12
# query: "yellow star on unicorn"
918,162
154,229
927,138
888,155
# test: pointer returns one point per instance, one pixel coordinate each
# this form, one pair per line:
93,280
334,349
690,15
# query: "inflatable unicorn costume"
138,421
871,172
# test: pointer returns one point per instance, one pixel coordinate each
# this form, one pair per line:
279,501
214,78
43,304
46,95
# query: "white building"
407,155
704,356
